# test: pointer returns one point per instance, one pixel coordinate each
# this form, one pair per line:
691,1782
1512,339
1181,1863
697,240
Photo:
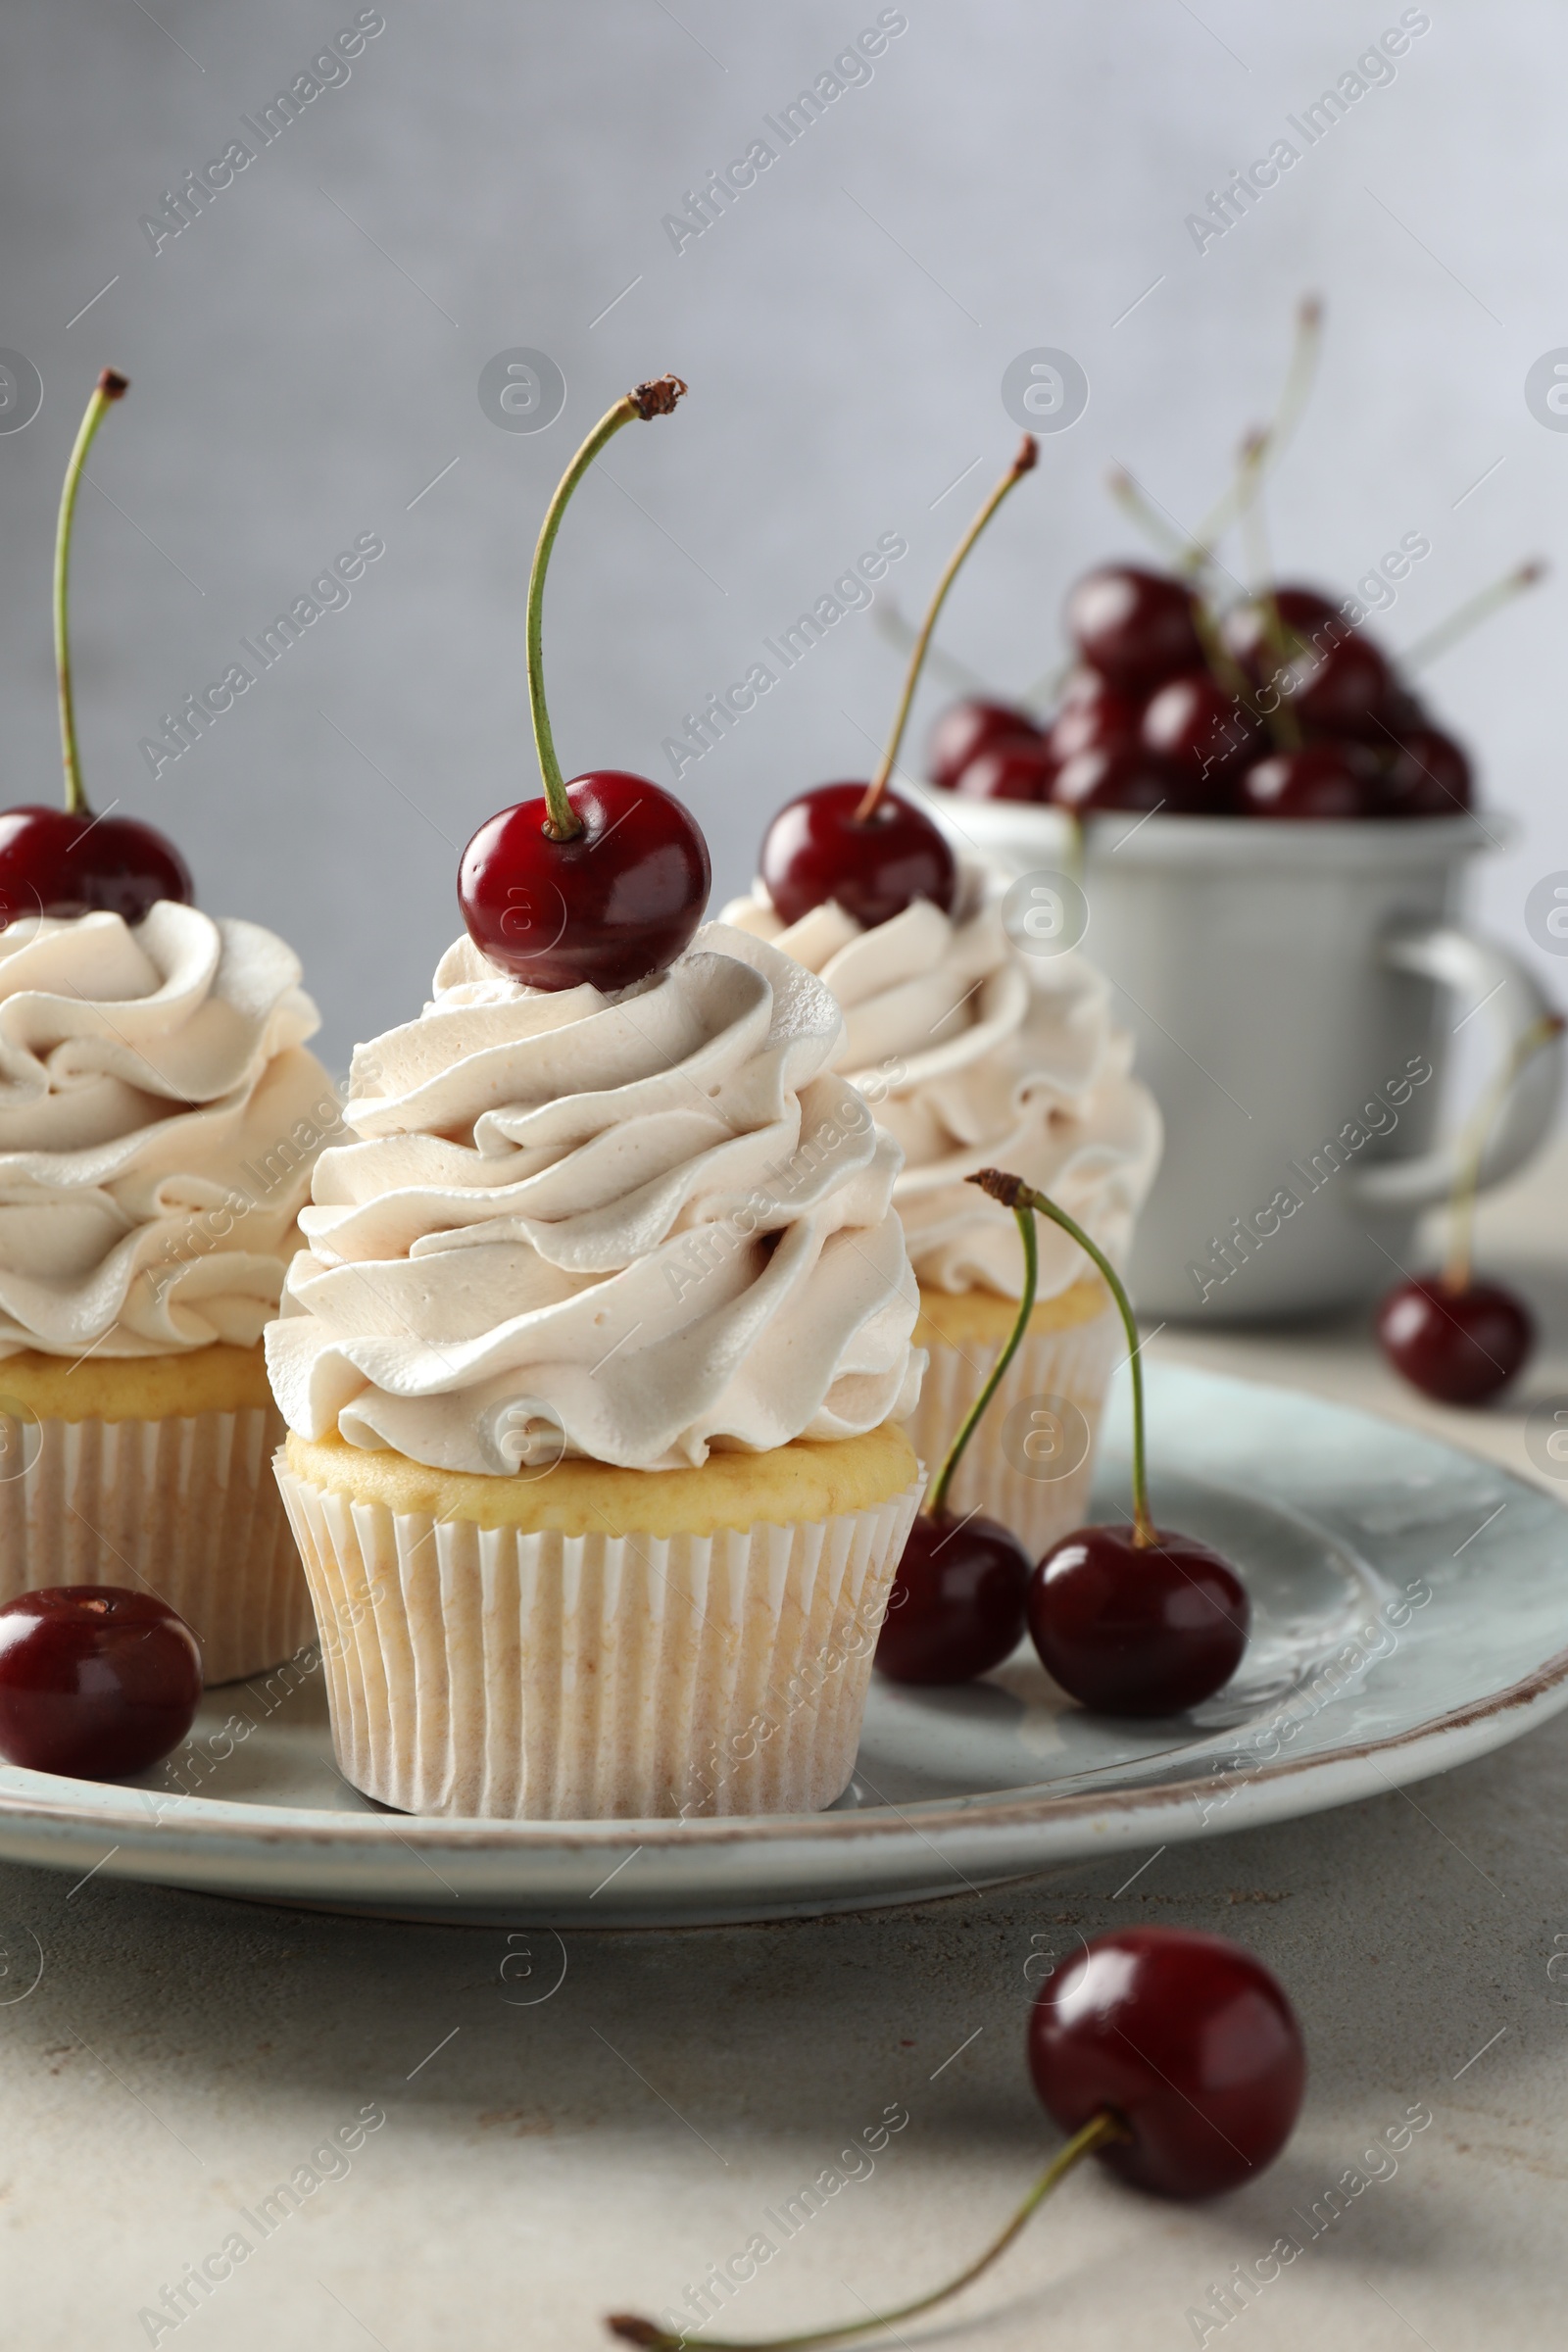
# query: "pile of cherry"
1278,708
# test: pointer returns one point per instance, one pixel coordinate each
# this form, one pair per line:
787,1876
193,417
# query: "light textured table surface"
541,2162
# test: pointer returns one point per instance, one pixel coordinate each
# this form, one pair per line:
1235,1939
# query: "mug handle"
1508,998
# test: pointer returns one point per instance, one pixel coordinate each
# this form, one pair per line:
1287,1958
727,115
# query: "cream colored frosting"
157,1121
629,1227
977,1055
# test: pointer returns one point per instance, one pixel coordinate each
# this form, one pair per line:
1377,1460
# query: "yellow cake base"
138,1387
805,1480
955,1316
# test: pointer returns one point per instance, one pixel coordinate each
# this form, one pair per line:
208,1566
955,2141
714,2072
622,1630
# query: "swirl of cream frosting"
158,1120
977,1055
631,1228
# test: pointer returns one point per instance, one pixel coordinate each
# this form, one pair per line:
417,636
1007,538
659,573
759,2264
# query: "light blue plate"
1410,1611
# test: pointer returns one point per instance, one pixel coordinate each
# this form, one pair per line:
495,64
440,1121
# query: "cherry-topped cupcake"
159,1116
596,1361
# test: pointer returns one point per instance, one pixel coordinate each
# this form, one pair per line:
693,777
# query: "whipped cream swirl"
977,1055
631,1226
157,1121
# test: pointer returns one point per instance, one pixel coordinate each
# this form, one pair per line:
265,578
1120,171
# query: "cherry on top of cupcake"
67,862
605,879
1184,697
862,845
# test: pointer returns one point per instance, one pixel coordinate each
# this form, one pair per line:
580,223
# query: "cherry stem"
1471,614
937,1502
1299,371
1014,1194
1473,1148
1022,464
109,388
1095,2133
1284,727
654,399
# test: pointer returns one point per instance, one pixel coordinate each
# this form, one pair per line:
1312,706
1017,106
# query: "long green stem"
1299,371
1095,2133
1471,614
937,1502
1014,1194
1283,725
654,399
1473,1148
1022,464
109,388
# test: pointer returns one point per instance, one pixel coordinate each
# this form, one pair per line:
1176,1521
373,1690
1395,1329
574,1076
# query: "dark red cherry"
1019,768
1320,780
1460,1347
1193,724
617,902
54,862
967,729
1127,779
1137,1630
95,1681
1339,684
1134,626
1305,616
956,1607
1428,775
1095,717
816,849
1188,2041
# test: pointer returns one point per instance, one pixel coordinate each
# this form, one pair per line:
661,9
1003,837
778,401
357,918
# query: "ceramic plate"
1410,1610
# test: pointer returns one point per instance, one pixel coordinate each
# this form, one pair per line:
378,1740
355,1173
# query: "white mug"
1292,989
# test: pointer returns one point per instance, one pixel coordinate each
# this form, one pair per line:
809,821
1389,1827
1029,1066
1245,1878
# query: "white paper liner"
544,1676
1009,1467
185,1506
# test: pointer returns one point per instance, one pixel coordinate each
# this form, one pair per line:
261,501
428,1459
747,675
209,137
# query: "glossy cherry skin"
1188,2040
967,729
1193,724
1460,1347
1305,617
1428,775
1320,781
1134,626
956,1607
1339,685
51,862
1095,716
1017,767
1133,1630
1128,780
95,1681
816,849
618,901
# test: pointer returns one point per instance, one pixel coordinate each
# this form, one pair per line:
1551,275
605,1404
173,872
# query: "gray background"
1012,175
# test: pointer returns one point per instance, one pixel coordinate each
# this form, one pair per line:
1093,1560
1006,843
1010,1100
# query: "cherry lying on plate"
96,1682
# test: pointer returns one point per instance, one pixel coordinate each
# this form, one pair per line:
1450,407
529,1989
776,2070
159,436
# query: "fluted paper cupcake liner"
544,1676
185,1506
1030,1461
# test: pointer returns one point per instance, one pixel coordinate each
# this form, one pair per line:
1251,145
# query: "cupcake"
977,1054
594,1368
159,1116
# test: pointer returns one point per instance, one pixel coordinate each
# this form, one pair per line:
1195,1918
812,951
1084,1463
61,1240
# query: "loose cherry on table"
66,862
1452,1336
604,880
1173,2057
1136,628
96,1682
1458,1345
967,729
1131,1620
863,845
